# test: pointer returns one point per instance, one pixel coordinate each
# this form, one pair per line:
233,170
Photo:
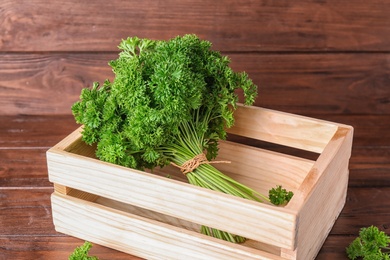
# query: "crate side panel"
338,150
181,200
283,128
262,169
69,141
178,223
140,236
319,224
323,195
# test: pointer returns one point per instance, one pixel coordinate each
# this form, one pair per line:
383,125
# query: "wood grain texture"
145,237
41,84
32,132
27,131
51,247
171,198
26,221
342,83
283,128
23,202
310,213
48,84
232,25
23,168
326,59
334,247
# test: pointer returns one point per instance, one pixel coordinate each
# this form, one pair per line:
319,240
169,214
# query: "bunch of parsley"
169,102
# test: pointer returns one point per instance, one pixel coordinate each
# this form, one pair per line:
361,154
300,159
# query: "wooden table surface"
26,226
324,59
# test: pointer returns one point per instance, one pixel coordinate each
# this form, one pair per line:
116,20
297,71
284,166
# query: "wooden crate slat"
283,128
323,194
164,195
230,25
262,169
136,235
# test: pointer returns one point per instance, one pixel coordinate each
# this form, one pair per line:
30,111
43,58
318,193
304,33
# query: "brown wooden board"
25,190
38,84
23,168
27,230
51,247
46,131
34,132
325,59
232,25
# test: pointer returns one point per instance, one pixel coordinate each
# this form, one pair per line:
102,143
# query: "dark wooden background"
328,59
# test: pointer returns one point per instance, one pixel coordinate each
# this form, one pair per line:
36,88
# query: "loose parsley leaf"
81,252
372,244
279,196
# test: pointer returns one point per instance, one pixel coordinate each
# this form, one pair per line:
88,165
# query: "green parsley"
170,101
279,196
81,252
372,244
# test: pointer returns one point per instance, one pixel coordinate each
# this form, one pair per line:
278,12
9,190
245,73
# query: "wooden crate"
155,217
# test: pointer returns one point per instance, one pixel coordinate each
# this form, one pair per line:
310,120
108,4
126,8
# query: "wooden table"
323,59
27,231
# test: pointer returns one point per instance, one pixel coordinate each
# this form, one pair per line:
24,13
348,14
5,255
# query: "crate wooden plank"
152,215
283,128
262,172
65,170
324,194
136,235
346,84
231,25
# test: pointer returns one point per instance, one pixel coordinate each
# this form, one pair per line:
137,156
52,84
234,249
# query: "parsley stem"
190,143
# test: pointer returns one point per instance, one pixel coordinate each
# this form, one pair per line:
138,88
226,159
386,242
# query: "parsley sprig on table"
170,101
372,244
81,252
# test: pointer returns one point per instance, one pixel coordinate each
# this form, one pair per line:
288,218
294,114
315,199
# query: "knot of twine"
194,163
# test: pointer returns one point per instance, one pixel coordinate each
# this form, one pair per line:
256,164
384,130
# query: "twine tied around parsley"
195,162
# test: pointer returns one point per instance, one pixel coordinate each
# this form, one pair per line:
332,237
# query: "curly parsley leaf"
169,102
158,86
279,196
372,244
81,252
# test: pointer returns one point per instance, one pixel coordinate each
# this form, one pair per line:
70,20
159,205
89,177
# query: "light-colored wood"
75,193
295,231
141,236
61,188
283,128
178,223
322,195
262,169
177,199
